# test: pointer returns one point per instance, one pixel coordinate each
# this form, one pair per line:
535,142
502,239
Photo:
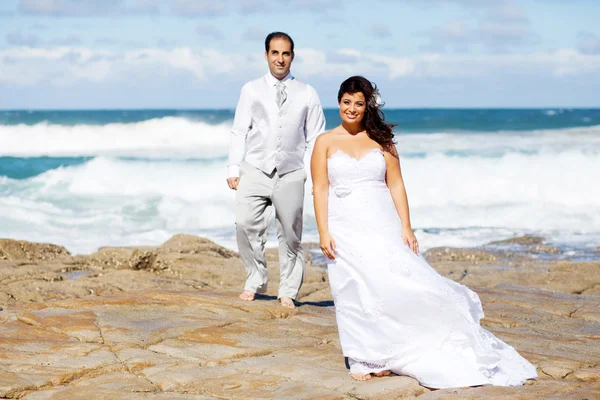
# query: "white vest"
271,137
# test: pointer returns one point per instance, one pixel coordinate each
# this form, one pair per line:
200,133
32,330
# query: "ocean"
85,179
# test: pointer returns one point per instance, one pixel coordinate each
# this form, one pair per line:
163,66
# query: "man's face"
279,57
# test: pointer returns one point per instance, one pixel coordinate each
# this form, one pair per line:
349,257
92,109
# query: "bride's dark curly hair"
374,119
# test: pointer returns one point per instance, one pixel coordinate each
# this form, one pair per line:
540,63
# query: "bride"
394,312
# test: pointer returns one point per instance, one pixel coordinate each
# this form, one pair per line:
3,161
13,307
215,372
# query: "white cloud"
253,6
465,3
314,5
564,62
507,11
210,31
191,8
50,7
255,33
32,40
69,7
344,56
501,26
454,30
88,8
146,6
498,35
68,66
454,35
106,41
505,24
19,39
187,8
588,43
71,40
380,31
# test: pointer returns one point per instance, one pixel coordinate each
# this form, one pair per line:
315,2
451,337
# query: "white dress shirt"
271,137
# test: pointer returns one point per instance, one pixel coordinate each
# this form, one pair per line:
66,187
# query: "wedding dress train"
393,310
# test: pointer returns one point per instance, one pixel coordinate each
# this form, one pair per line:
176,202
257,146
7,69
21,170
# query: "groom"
277,118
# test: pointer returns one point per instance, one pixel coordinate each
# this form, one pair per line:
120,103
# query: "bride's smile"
352,108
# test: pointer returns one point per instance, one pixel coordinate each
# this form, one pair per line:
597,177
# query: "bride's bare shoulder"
391,154
326,138
334,132
391,150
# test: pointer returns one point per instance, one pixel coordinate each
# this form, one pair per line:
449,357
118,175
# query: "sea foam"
140,183
182,138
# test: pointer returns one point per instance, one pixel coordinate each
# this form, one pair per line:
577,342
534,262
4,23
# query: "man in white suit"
277,120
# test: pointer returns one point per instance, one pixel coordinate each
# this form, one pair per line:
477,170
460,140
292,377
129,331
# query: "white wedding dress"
394,311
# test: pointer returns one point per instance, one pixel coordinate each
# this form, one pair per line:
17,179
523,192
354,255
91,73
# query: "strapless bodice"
346,172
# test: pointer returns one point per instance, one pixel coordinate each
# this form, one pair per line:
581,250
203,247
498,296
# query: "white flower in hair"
376,99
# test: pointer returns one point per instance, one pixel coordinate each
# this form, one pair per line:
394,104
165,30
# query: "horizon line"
324,108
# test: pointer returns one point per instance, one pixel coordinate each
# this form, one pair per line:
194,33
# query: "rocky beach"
165,322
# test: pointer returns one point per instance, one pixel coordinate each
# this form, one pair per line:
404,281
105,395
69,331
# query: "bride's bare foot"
247,295
360,377
287,302
382,373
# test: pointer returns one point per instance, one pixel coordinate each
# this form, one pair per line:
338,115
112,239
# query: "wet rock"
526,240
531,244
545,249
440,254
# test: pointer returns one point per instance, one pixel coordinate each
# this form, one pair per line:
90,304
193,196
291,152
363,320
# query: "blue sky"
197,53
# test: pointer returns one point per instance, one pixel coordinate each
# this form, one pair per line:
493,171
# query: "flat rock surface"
165,322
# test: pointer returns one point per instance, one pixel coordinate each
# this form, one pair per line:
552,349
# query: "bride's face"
352,107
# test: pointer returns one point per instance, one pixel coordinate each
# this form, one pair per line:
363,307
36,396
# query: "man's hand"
233,182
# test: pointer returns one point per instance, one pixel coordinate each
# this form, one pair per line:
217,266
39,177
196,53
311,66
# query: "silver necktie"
281,94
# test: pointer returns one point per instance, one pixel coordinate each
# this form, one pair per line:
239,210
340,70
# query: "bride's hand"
328,246
409,239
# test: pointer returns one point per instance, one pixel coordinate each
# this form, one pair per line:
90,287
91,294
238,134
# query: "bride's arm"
318,169
396,185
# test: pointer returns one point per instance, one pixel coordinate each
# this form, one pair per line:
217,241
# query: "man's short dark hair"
277,35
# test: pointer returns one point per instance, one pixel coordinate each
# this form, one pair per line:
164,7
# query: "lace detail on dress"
341,307
346,309
395,265
364,368
375,311
346,172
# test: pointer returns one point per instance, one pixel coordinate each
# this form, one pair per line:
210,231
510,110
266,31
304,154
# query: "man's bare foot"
360,377
247,295
382,373
287,302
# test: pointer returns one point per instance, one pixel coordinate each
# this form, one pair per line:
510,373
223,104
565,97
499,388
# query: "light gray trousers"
256,191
